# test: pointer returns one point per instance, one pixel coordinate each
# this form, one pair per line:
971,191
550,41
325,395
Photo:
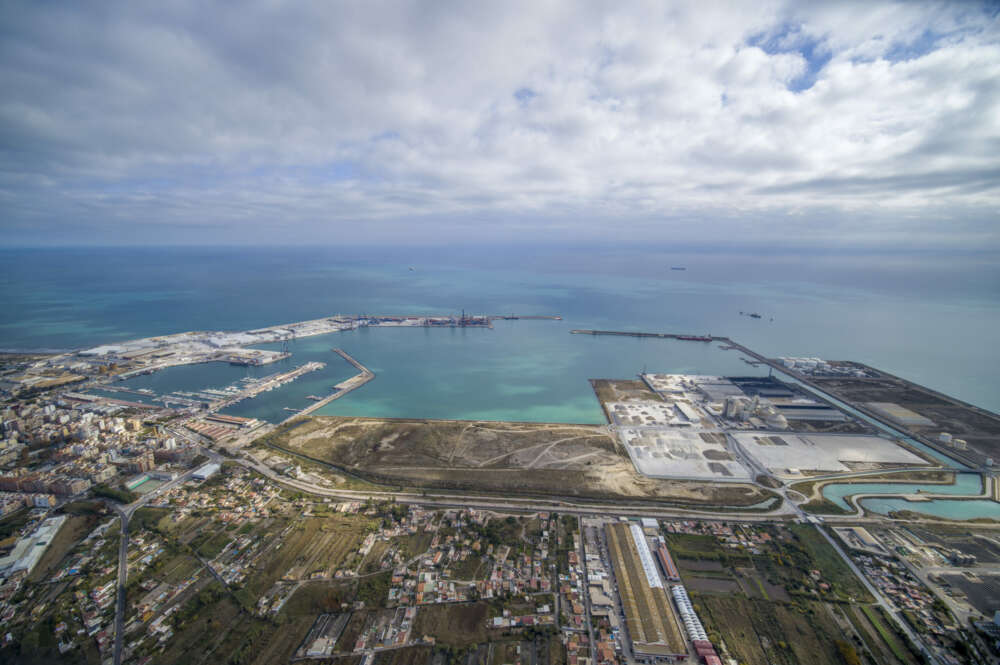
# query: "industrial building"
649,615
667,562
29,550
788,455
206,471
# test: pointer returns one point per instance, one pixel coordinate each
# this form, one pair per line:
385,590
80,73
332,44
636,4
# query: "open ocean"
930,319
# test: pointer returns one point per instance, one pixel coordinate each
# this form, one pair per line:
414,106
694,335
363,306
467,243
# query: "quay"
626,333
517,317
730,344
342,388
269,383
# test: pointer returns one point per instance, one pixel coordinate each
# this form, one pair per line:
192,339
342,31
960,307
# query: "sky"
854,125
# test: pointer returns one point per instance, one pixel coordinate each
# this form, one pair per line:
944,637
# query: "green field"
780,569
758,632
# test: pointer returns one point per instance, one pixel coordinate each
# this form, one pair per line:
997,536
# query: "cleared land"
460,624
524,458
612,390
979,427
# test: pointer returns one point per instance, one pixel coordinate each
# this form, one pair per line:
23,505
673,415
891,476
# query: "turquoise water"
966,484
930,319
952,509
520,370
927,318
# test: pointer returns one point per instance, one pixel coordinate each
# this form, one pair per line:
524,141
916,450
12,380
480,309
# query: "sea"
928,317
932,319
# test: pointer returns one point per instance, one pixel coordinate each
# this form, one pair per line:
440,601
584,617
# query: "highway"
528,504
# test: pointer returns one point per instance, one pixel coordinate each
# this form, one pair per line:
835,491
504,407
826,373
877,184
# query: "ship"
678,268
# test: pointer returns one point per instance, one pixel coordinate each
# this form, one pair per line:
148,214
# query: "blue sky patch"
789,38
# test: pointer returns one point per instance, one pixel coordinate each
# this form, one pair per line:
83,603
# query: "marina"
341,389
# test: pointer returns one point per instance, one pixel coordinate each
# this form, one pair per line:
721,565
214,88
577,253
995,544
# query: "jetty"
343,388
628,333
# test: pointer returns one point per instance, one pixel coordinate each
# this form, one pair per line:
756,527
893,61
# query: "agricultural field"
773,562
880,640
493,457
760,632
472,568
781,594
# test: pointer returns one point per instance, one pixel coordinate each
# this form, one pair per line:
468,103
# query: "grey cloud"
971,180
184,117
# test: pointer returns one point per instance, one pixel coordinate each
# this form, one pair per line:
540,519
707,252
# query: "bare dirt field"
613,390
980,428
527,458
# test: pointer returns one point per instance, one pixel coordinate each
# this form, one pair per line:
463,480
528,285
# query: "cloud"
317,121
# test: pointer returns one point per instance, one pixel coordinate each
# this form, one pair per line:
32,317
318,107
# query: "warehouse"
649,615
29,550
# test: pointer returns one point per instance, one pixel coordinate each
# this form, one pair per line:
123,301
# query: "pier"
268,383
341,389
517,317
758,359
626,333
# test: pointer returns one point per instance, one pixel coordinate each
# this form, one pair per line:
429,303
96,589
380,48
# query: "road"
880,600
504,503
582,553
125,515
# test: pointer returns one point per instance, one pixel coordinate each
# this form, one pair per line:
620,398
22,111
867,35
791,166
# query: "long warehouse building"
649,615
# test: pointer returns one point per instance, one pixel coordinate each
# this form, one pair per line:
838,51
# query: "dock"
519,317
757,359
627,333
343,388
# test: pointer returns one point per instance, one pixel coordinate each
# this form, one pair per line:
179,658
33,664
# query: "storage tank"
775,420
945,437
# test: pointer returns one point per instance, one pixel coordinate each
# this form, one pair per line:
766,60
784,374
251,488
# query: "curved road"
125,514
